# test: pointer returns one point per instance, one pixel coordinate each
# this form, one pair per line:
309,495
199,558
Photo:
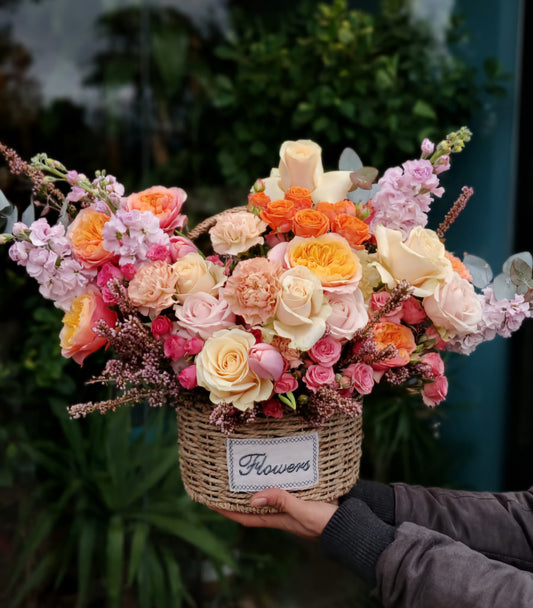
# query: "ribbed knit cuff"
378,496
357,537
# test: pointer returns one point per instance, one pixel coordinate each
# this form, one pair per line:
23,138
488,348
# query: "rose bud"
265,361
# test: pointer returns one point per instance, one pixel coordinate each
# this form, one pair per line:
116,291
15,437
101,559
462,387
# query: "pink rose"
378,300
319,375
412,311
187,377
181,246
434,360
435,392
194,346
203,314
77,337
174,347
326,351
129,271
265,361
273,408
348,314
362,377
286,383
161,326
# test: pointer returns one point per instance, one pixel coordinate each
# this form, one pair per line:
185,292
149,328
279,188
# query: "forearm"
424,568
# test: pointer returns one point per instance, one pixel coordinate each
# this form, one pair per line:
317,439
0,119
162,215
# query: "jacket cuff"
357,537
378,496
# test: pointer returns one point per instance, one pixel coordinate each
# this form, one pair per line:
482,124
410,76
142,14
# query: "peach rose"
330,258
354,230
196,274
222,368
454,307
400,336
164,203
257,200
302,309
77,337
309,222
85,234
153,287
278,214
421,259
332,210
235,233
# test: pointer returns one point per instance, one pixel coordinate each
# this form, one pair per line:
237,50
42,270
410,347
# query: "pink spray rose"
187,377
181,246
434,360
326,351
161,326
286,383
265,361
412,311
319,375
174,347
362,377
193,346
435,392
273,408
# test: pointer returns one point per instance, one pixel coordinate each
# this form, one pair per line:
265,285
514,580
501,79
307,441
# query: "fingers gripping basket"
204,454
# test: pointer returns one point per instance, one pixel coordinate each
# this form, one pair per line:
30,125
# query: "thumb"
279,499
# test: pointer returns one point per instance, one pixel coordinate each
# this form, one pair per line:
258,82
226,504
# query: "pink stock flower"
319,375
435,392
174,347
265,361
427,146
158,252
326,351
187,377
161,326
286,383
361,376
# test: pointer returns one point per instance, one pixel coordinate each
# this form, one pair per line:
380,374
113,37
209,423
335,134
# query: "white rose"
195,274
454,307
348,314
301,165
222,369
302,309
235,233
204,314
421,259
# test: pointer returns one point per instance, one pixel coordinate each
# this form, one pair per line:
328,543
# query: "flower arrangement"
323,285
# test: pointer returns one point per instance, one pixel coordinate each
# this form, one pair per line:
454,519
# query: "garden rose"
164,203
434,360
153,287
180,246
235,233
222,369
348,314
196,274
203,314
302,309
330,258
77,337
454,307
421,259
400,336
85,234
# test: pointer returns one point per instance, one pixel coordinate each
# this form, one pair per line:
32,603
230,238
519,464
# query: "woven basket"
204,467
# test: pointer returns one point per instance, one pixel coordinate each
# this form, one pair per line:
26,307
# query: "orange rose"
85,234
354,230
77,337
164,203
332,210
278,215
257,200
301,197
459,267
400,336
309,222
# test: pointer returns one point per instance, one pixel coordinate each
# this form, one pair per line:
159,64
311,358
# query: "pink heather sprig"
227,418
325,403
453,213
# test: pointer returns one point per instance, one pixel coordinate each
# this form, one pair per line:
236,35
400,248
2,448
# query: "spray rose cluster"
323,284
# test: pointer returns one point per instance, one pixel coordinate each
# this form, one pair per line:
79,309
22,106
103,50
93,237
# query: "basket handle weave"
209,222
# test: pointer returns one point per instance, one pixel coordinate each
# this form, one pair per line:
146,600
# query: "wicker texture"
202,449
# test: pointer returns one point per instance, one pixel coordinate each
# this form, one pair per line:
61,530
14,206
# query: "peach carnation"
253,288
235,233
153,287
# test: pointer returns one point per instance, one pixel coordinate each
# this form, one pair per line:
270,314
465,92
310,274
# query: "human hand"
306,518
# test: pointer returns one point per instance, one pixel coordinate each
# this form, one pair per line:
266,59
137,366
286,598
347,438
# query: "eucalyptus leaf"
364,177
3,201
524,256
349,160
11,217
28,215
503,287
520,272
363,196
479,269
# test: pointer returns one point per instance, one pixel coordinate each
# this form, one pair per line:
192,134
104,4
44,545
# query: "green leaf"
41,572
424,110
86,546
138,544
114,560
175,582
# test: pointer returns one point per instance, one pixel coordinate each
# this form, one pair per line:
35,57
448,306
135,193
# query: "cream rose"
421,259
203,314
222,369
301,165
348,314
235,233
302,308
153,287
195,274
454,307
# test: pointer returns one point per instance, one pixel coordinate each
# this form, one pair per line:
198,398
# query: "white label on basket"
290,463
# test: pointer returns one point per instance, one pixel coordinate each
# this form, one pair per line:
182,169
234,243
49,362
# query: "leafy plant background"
93,511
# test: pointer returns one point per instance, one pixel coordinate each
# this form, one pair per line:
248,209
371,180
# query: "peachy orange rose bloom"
301,197
309,222
85,233
257,200
354,230
278,215
395,334
332,210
